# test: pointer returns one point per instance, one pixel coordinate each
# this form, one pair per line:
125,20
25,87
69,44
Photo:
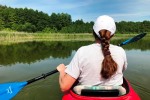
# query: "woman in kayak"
98,64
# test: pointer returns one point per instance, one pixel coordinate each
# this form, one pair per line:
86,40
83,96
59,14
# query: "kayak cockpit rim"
103,93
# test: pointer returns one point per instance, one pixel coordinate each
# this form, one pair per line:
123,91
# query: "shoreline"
7,37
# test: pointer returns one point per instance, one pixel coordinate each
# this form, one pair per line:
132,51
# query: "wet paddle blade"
9,90
136,38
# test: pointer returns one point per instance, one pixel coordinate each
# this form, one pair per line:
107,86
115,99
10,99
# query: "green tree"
49,30
60,20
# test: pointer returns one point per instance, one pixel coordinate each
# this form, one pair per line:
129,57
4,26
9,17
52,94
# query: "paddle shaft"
42,76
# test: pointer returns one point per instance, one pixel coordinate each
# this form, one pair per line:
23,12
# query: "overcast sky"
89,10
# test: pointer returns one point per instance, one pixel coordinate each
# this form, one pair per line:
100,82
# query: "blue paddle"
9,90
135,38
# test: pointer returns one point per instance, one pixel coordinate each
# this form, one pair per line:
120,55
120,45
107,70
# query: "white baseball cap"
104,22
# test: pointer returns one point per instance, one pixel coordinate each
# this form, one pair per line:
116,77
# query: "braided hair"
109,66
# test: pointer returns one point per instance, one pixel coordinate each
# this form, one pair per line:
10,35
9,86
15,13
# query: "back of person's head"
103,29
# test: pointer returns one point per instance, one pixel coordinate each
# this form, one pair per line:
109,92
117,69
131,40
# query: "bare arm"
65,80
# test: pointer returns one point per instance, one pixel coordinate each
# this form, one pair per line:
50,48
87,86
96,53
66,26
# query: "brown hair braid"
109,66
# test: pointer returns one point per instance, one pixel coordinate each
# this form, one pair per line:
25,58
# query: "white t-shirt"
87,63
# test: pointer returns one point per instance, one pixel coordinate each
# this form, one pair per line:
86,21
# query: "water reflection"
31,52
138,71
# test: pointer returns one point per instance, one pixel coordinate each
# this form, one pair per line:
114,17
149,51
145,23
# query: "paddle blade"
136,38
9,90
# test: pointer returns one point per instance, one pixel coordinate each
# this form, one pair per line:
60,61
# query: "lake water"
24,61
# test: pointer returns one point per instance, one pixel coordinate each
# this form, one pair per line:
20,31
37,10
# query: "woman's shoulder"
117,48
87,47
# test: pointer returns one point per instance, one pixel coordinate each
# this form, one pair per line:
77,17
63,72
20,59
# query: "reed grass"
7,37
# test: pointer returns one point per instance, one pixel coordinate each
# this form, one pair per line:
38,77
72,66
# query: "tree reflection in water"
30,52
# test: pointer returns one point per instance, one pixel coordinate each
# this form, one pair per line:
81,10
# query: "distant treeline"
29,20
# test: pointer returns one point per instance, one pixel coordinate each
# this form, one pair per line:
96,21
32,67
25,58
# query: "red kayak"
104,94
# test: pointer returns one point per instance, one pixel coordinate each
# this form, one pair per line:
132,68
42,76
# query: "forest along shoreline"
23,25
